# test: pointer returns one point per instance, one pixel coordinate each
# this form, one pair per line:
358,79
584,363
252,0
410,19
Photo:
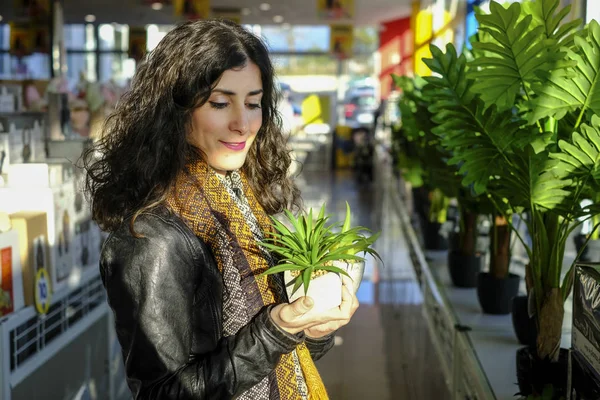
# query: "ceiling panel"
294,11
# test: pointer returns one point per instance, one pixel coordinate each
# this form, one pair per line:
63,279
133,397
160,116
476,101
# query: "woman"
191,165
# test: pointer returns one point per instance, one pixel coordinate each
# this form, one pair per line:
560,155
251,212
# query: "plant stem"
500,240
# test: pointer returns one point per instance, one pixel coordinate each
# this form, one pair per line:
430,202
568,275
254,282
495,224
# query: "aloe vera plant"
313,245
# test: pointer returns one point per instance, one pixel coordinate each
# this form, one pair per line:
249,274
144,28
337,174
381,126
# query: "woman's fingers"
298,308
295,316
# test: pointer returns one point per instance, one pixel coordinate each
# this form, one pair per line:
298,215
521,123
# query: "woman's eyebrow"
231,93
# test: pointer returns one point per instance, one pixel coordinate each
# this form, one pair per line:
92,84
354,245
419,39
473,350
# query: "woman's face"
225,126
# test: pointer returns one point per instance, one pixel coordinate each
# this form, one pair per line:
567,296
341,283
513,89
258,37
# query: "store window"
297,64
113,37
35,66
79,37
301,38
156,33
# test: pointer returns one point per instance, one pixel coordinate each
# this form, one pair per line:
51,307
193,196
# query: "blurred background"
64,65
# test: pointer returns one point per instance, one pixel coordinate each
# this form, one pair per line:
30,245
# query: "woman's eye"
218,106
253,106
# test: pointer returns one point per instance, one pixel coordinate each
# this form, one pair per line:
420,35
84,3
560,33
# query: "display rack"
460,365
28,340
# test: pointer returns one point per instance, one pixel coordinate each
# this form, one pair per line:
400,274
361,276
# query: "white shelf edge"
58,344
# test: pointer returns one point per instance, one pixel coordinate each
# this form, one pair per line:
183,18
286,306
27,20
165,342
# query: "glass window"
35,66
4,36
113,37
300,38
305,64
74,37
366,40
155,33
116,66
79,37
78,64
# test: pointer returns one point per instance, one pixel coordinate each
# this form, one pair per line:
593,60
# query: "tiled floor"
385,352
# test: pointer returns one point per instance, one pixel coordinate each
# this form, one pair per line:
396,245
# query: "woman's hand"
294,317
349,305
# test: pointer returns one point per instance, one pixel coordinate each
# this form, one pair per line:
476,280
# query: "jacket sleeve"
151,285
318,347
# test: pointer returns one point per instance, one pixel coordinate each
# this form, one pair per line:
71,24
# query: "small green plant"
354,239
310,249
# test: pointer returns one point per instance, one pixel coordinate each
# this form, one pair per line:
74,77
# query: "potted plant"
355,242
521,118
307,253
464,259
421,161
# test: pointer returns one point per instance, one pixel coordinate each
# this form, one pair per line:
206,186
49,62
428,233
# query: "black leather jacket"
165,291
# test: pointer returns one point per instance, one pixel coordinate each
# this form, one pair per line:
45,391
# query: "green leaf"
516,54
482,141
281,268
298,226
306,278
580,90
341,256
321,212
581,157
346,224
543,13
331,268
297,284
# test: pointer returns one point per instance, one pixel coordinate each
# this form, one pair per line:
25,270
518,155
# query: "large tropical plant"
520,119
424,162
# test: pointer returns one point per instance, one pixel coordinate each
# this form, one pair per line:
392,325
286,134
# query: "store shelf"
460,364
29,340
477,351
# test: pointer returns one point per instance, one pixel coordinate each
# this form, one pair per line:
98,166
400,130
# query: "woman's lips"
236,146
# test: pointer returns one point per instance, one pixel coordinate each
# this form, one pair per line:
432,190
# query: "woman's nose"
240,120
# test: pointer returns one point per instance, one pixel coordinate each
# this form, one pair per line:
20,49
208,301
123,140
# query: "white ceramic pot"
356,270
326,290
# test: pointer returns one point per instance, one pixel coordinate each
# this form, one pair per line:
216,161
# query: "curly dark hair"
144,146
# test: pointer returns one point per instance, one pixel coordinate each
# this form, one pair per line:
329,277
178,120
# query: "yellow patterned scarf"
200,198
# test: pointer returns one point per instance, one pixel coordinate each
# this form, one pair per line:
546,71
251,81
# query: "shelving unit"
29,340
460,364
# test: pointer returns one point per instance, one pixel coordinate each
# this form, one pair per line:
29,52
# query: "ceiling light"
157,6
278,19
265,7
90,18
246,11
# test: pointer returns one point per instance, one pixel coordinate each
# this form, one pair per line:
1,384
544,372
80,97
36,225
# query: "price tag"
42,291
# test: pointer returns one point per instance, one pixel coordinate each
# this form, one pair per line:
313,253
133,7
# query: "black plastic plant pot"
432,238
495,295
464,269
453,241
534,374
525,327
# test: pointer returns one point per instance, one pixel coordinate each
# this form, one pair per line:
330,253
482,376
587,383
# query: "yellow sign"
233,14
341,41
42,291
335,9
137,42
21,40
192,9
